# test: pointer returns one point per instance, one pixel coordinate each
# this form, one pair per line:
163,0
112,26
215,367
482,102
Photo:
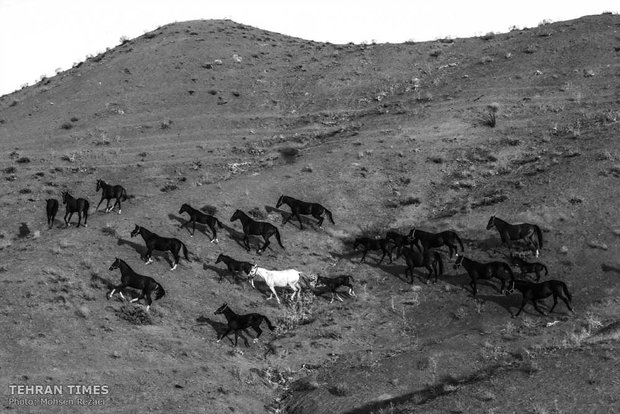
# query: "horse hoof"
119,212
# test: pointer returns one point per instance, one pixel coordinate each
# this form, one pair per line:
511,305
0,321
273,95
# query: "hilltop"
438,135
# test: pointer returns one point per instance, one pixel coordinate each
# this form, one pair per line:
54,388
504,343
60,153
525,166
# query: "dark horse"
302,207
523,231
234,266
433,240
109,192
238,323
52,209
428,258
79,206
197,216
145,284
527,267
536,291
156,242
478,270
374,244
333,283
259,228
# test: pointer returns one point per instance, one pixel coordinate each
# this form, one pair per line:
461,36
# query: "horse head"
183,208
221,309
491,223
236,215
219,258
135,231
99,184
280,201
116,264
64,195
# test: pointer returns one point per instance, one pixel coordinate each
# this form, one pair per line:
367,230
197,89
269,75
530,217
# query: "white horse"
277,278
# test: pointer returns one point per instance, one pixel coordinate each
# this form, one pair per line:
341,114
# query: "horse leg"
267,243
259,331
332,297
214,239
474,287
100,201
523,302
246,242
537,275
273,290
364,255
339,298
540,310
79,218
224,334
555,302
148,257
320,223
107,206
301,226
382,257
286,219
68,221
176,259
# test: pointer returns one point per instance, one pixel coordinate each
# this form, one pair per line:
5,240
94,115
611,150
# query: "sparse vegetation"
490,117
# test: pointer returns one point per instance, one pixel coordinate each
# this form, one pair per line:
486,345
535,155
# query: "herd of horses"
419,248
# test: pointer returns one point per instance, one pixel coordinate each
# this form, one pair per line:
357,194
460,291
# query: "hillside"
387,136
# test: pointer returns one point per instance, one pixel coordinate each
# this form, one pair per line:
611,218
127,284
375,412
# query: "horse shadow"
141,250
200,227
285,214
224,274
506,302
97,280
221,328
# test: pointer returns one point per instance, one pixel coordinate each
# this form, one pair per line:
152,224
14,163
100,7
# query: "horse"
145,284
109,192
234,266
374,244
302,207
277,278
398,239
433,240
535,291
334,283
237,323
202,218
79,206
52,209
523,231
156,242
428,258
478,270
527,267
259,228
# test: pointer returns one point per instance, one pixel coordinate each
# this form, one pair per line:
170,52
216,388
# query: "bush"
490,118
135,315
23,160
66,125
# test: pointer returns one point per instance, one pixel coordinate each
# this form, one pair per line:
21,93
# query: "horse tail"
86,207
219,223
440,261
566,292
124,195
329,215
184,251
278,237
458,239
269,324
539,235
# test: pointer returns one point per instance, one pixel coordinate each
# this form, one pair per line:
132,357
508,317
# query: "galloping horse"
523,231
52,209
156,242
238,323
109,192
478,270
202,218
259,228
302,207
277,278
433,240
79,206
374,244
536,291
333,283
147,285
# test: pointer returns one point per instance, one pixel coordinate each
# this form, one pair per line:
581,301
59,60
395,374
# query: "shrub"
74,119
23,160
166,124
10,170
436,52
135,315
490,118
66,125
289,154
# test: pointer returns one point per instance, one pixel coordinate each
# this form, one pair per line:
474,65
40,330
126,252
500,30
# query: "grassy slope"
160,112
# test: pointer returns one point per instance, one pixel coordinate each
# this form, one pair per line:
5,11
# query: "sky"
39,37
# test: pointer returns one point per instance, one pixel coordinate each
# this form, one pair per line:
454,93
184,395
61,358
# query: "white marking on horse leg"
133,300
148,307
537,252
149,261
216,241
339,298
174,267
121,293
111,293
255,340
218,341
119,211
